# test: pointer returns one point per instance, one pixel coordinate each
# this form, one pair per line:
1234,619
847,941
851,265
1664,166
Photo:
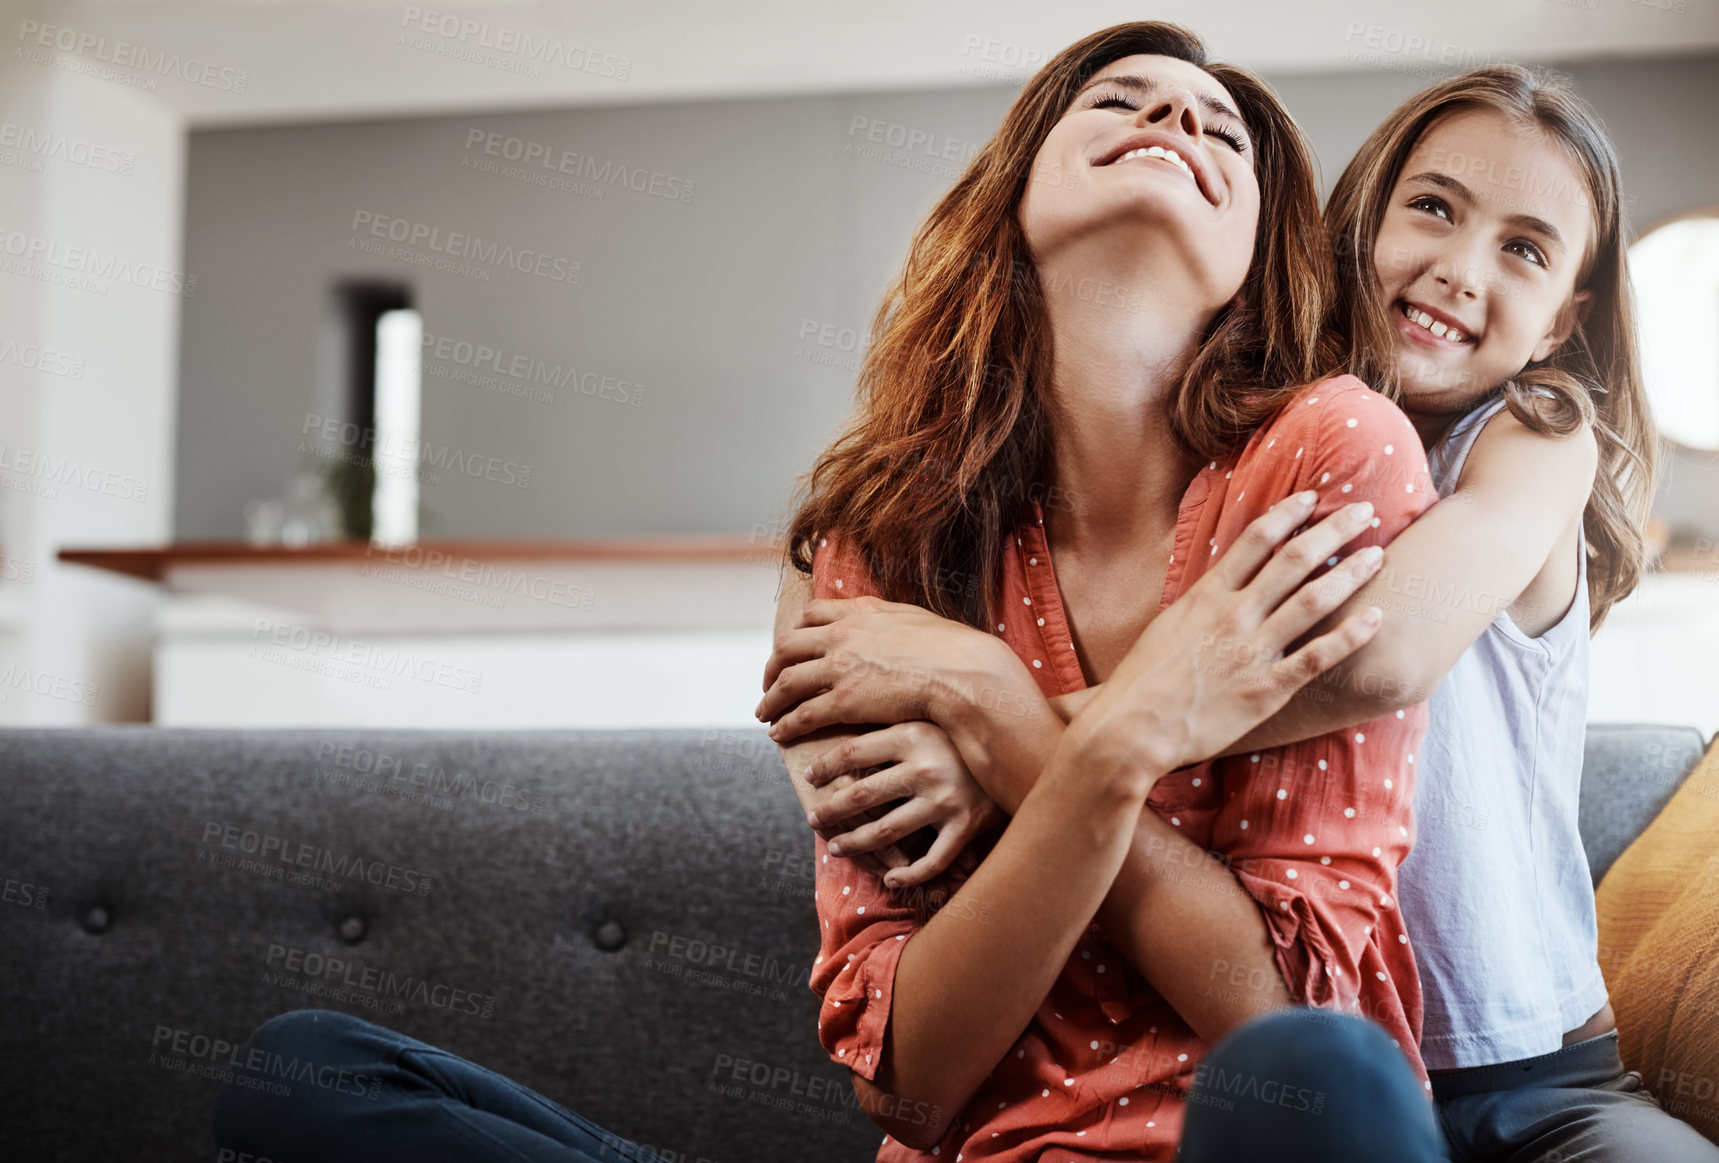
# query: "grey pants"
1574,1104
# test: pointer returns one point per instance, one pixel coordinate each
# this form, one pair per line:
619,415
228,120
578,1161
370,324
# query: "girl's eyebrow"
1529,222
1145,86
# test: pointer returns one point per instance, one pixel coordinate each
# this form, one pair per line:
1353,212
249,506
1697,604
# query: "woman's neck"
1120,344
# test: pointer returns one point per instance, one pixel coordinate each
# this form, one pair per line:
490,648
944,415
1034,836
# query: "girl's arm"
1445,578
798,754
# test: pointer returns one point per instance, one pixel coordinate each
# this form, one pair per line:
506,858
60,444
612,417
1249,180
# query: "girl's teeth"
1437,328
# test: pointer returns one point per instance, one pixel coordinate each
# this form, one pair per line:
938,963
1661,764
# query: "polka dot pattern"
1321,862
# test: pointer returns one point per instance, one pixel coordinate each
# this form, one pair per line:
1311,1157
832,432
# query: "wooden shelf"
668,584
154,564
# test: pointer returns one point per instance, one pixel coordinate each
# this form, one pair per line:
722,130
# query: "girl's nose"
1459,271
1458,280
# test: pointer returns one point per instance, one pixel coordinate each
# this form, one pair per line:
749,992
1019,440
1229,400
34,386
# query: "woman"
1228,300
1119,301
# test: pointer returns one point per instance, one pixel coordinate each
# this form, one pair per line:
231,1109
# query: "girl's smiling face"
1477,256
1152,150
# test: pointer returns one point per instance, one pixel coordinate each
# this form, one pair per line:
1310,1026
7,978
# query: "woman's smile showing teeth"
1432,325
1160,152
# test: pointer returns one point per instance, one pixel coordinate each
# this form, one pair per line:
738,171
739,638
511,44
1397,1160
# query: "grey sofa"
622,920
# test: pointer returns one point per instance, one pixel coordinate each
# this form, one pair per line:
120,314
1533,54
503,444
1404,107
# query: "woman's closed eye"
1236,140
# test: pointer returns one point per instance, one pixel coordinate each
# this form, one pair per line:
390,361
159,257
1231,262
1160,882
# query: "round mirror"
1675,270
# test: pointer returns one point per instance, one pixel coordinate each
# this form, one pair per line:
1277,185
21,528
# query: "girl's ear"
1573,312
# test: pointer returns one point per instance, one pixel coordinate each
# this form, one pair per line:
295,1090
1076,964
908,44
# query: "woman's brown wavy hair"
1594,378
948,444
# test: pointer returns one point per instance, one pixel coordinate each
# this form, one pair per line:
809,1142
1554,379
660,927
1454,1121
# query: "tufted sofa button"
610,936
352,930
97,919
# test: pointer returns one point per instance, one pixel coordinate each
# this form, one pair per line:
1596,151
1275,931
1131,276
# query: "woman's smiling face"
1151,148
1477,256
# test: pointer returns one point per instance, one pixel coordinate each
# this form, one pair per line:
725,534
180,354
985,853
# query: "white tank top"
1496,892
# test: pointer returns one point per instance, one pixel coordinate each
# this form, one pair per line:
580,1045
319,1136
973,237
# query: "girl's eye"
1111,100
1527,250
1236,140
1430,205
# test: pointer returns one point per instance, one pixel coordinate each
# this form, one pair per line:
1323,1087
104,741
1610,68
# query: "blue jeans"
355,1090
1307,1084
317,1084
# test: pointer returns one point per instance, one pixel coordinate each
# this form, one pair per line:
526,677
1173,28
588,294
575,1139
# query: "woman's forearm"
1177,914
1192,931
970,980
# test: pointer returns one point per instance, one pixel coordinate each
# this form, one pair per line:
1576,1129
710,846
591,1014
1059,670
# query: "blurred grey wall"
646,320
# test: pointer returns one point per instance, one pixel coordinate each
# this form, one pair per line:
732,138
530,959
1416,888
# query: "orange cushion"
1659,948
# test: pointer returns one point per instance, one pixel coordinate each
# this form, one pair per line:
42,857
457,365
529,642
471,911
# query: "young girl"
1479,239
1485,290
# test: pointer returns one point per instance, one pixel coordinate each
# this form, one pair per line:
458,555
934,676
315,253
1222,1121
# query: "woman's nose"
1175,108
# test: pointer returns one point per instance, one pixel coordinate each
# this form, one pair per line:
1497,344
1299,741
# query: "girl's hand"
865,660
1214,664
919,765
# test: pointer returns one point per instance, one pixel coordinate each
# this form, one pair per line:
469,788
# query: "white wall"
707,314
795,218
88,441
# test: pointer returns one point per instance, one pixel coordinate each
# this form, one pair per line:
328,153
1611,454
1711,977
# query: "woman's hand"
1216,663
865,660
919,765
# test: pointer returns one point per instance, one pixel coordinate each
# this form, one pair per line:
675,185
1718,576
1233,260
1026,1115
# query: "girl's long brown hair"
948,444
1594,378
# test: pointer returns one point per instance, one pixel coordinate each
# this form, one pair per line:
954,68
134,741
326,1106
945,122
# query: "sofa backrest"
621,920
1629,773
